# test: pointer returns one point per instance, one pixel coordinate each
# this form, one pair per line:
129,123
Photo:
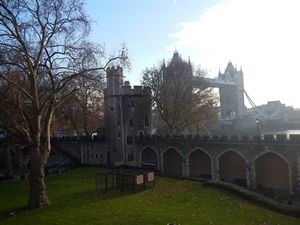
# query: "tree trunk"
37,193
85,123
8,171
39,154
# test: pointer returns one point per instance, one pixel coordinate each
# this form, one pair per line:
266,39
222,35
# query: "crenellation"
295,138
138,90
147,90
114,71
269,138
223,138
135,90
281,138
206,137
127,90
226,139
234,138
245,138
197,137
215,138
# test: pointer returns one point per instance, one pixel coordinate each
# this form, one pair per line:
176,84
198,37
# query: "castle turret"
127,114
114,80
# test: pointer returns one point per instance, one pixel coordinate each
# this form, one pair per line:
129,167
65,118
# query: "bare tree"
83,112
175,97
44,56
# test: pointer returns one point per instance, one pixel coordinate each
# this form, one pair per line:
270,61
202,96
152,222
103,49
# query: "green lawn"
74,201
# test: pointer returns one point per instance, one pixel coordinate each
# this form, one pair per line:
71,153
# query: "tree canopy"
178,101
82,114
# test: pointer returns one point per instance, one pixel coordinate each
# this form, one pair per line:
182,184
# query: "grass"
74,201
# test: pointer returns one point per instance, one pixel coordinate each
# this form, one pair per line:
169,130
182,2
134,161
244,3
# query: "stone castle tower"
232,97
127,117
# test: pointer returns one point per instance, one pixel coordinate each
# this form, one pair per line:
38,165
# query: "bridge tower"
232,97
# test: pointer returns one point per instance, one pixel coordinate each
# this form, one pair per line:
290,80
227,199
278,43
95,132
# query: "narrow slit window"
129,140
146,120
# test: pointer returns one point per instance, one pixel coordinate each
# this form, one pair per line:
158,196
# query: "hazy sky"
261,36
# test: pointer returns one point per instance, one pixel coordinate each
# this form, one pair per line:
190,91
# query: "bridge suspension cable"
252,104
249,99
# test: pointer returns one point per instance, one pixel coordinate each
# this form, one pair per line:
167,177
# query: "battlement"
135,90
138,90
268,138
115,85
114,71
246,139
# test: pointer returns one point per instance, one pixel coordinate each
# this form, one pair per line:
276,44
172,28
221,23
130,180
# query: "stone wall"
93,153
268,164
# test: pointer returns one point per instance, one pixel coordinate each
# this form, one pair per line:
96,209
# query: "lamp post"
257,129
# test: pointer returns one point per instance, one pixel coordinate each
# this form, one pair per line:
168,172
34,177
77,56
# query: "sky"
260,36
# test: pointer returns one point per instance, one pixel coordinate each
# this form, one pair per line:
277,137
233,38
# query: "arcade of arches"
267,171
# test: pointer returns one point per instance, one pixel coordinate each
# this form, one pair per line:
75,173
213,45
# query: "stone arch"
233,168
149,158
172,162
272,173
200,164
172,147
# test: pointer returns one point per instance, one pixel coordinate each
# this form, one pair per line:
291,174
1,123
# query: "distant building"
293,114
128,114
273,111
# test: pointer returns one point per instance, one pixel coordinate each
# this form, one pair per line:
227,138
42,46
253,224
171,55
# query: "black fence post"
144,176
105,186
133,184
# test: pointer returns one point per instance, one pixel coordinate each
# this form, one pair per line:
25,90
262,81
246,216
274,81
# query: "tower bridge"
219,83
213,82
231,91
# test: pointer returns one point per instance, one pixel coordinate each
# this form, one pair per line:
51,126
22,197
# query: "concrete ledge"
257,198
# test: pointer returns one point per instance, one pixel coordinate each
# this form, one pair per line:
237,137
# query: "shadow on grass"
13,212
73,200
85,197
